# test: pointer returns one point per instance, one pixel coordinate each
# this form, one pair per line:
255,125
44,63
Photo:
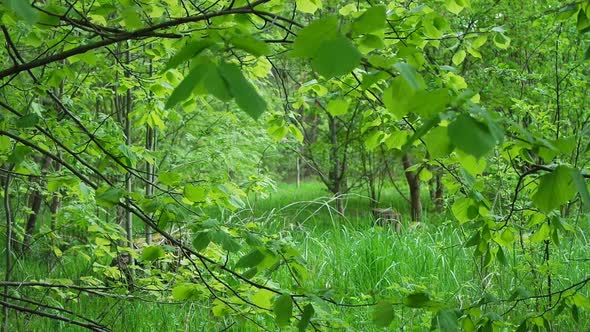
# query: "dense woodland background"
322,165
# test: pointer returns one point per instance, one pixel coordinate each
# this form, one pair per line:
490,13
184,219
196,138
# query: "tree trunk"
414,186
35,200
438,197
335,175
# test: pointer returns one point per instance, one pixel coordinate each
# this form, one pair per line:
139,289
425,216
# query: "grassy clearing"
347,255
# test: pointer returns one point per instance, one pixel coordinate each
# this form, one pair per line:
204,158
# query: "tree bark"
414,186
35,200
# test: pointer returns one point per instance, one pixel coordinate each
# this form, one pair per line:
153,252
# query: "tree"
84,83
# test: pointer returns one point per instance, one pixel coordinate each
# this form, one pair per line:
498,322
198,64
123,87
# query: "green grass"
346,254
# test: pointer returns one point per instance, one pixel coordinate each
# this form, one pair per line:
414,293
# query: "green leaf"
446,320
410,75
225,240
283,309
337,107
336,57
186,291
429,103
245,94
438,142
555,189
501,41
195,194
583,23
312,38
471,136
464,209
213,83
251,259
581,187
459,57
184,90
383,314
542,234
306,316
417,300
23,9
308,6
189,51
250,44
453,6
152,253
108,196
201,241
26,121
373,19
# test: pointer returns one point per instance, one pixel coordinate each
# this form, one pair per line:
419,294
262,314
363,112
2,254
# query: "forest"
294,165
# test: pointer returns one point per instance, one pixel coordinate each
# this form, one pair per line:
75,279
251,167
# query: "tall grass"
347,255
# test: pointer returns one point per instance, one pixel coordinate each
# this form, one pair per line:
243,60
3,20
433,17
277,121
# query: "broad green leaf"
283,309
373,19
471,136
23,9
501,41
337,107
582,187
446,320
251,259
308,6
26,121
225,240
186,291
213,83
555,188
428,103
417,300
201,241
250,44
189,51
306,316
152,253
459,57
336,57
262,298
184,90
277,132
5,143
438,142
464,209
542,234
383,314
195,194
408,72
453,6
108,196
312,38
583,23
245,94
397,97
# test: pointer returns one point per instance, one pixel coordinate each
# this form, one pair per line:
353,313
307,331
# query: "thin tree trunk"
8,248
35,200
438,196
128,142
414,186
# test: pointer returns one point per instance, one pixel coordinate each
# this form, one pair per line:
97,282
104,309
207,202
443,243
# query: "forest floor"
349,255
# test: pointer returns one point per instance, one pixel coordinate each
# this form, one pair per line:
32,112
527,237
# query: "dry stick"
8,212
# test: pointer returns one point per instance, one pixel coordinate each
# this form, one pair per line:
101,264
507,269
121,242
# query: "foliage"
119,113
